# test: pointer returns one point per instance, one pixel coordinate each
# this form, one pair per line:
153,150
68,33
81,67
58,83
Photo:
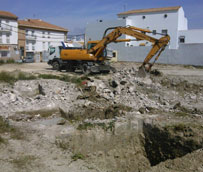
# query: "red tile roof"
39,24
6,14
149,10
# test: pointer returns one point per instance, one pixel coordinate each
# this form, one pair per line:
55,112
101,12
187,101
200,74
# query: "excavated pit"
130,147
166,143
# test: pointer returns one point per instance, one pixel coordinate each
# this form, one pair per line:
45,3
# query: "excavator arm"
157,48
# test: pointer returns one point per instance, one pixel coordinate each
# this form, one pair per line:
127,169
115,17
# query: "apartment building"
8,36
36,36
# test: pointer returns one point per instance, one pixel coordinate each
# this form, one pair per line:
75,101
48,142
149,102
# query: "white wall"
192,36
95,30
156,21
12,27
40,40
182,20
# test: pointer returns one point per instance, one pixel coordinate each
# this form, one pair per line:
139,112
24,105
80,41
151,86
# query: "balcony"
6,29
31,37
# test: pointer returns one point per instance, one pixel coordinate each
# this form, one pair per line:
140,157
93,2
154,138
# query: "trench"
127,149
162,144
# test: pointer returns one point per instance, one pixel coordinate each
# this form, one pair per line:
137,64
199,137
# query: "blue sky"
75,14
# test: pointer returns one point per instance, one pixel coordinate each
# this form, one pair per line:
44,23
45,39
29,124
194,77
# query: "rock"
142,110
123,82
131,89
41,90
177,105
37,97
113,84
13,97
156,72
106,90
61,122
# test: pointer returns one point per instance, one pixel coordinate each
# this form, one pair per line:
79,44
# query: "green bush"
7,77
10,61
78,156
2,62
48,76
24,76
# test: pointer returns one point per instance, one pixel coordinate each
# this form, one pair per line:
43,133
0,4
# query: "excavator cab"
91,44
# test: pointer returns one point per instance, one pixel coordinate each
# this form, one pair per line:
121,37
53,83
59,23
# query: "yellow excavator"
93,58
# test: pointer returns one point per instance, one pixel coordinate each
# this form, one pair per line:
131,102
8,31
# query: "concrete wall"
187,54
192,36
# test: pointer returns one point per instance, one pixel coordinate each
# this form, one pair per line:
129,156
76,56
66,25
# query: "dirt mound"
95,112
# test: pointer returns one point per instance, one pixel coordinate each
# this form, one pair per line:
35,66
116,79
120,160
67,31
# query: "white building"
168,20
8,35
36,36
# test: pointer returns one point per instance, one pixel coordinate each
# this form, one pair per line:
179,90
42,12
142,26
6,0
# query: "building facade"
8,36
36,36
185,46
168,20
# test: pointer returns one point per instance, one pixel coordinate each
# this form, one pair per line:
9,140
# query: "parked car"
28,60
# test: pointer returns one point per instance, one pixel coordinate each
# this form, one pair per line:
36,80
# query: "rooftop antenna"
124,7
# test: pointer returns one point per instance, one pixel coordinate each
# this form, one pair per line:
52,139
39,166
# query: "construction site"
128,99
59,121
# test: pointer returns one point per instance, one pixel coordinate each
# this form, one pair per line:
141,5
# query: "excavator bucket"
142,73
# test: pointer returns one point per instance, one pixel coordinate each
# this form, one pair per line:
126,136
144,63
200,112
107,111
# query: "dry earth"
63,122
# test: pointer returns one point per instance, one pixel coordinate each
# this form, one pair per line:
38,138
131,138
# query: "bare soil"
107,122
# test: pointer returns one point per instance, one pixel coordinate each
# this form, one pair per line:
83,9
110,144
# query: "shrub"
77,156
7,77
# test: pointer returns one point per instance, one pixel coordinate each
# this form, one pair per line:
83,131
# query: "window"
33,33
49,44
48,34
43,45
143,17
182,39
0,23
7,21
43,34
165,31
26,32
4,54
7,38
154,32
51,50
0,37
33,46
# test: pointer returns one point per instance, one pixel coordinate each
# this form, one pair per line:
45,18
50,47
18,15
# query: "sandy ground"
166,69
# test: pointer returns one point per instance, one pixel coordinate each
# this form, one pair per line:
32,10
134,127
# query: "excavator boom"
138,33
